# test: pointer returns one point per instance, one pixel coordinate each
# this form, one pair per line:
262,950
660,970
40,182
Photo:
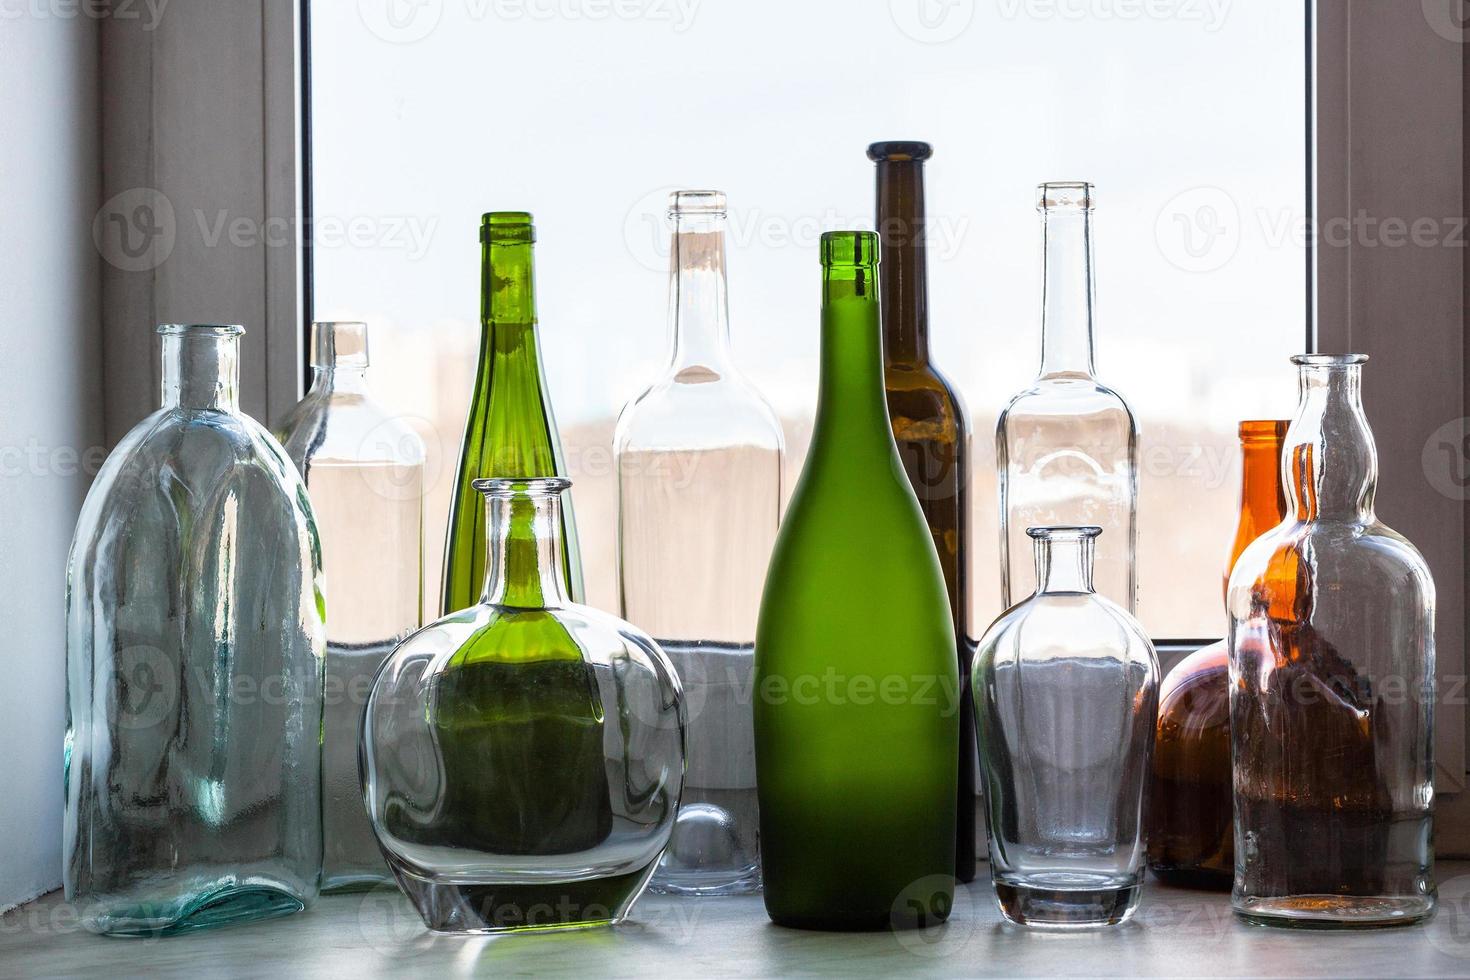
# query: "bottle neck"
851,400
1330,462
339,357
507,284
1063,562
201,371
698,306
901,227
525,551
1067,293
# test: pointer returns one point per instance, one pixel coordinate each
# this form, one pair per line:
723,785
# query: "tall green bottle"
857,689
510,431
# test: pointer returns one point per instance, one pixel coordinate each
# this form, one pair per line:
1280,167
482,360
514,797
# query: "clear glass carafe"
1067,446
1066,690
699,458
522,759
364,470
194,666
1332,686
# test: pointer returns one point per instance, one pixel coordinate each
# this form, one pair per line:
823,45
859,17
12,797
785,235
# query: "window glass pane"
1189,116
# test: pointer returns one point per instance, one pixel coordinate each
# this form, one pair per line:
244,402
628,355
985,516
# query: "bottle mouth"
339,343
849,249
200,329
1329,360
710,203
507,228
1065,195
539,486
1264,430
1064,532
899,151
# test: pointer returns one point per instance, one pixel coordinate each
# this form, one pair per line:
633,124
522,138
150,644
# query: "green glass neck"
525,540
852,409
507,284
900,212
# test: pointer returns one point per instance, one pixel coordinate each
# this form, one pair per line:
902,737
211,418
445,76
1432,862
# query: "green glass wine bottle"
929,427
510,431
856,679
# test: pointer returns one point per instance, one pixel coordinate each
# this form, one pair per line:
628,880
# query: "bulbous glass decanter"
1332,686
522,759
1066,690
194,666
699,501
364,470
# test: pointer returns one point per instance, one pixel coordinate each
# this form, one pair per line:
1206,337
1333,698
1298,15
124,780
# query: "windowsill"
1175,933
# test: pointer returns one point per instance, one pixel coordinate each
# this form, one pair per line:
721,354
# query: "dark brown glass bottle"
1191,838
929,426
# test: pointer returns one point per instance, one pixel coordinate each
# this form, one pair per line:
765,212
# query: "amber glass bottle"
1190,836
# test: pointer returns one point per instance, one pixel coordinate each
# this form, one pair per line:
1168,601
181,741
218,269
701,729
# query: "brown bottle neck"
903,272
1262,494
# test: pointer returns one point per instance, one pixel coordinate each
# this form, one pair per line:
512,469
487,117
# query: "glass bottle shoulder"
923,394
348,427
1052,627
1067,396
699,408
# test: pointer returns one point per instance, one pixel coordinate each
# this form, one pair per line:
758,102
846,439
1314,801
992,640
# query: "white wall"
50,407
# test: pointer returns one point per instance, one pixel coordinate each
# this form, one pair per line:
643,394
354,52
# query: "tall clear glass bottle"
1332,686
194,666
510,430
364,470
856,682
1066,690
699,458
1067,446
930,427
1191,832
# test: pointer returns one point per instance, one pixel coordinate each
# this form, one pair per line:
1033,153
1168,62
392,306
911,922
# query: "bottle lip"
899,151
1329,360
1064,532
697,202
1263,430
201,329
517,486
348,340
849,249
507,228
1065,195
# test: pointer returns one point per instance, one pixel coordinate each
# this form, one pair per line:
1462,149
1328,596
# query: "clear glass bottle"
1067,446
1191,830
1332,686
364,470
194,666
1066,691
522,759
699,457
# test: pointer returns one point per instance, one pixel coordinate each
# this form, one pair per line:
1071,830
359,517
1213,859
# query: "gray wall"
50,410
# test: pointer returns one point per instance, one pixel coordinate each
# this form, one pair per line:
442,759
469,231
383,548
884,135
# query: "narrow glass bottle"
1332,686
1067,446
510,430
930,426
1191,834
194,666
699,501
856,681
364,470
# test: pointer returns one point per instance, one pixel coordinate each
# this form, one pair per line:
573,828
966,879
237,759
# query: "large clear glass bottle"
1066,691
699,457
1191,832
510,430
523,758
856,682
194,666
364,470
1332,686
1067,446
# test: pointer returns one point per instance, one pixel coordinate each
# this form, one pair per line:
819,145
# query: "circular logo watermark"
386,921
1198,230
933,916
932,21
1450,19
135,230
646,229
1446,459
398,438
145,690
1451,934
400,21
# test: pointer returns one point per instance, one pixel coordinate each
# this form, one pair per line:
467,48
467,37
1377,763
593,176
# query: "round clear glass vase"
522,759
1066,691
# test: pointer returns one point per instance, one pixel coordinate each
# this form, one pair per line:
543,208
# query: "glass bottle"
1067,446
1066,692
364,470
510,430
699,500
930,427
522,759
1191,832
1332,686
194,666
856,682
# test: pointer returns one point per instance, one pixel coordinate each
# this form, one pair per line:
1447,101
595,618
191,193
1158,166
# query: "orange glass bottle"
1190,835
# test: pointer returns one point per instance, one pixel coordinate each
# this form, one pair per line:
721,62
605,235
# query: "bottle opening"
1064,532
697,202
201,329
1264,430
522,486
1329,360
507,228
339,343
849,248
1073,195
899,151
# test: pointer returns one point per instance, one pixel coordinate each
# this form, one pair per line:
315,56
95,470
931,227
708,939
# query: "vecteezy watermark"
1210,14
150,12
932,21
37,459
1446,459
135,230
831,688
933,916
1198,230
1450,19
408,21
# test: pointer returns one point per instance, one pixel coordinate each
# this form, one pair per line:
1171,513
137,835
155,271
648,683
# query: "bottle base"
344,884
1335,911
542,906
1066,908
707,885
226,906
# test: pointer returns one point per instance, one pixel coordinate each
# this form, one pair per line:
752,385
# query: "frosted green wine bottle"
510,431
857,690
